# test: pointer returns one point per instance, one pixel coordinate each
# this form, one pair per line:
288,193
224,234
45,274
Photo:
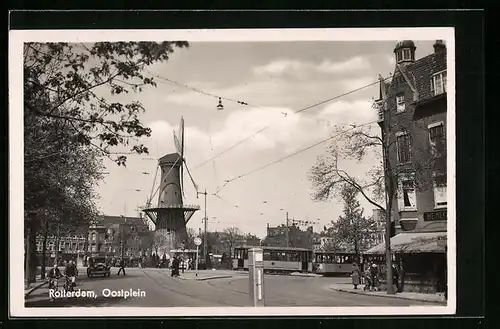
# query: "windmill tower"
171,215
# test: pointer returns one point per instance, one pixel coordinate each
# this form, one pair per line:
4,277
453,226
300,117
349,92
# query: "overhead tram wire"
297,111
244,103
295,153
176,83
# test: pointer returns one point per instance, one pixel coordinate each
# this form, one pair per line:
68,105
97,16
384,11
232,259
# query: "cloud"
352,64
303,68
355,112
391,60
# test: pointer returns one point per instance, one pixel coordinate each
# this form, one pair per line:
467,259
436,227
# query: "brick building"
412,114
102,237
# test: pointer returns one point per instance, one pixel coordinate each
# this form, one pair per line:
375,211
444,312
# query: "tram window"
267,255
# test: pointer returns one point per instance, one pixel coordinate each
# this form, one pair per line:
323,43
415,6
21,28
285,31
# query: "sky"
275,79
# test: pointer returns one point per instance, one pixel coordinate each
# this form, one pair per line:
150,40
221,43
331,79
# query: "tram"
276,259
334,263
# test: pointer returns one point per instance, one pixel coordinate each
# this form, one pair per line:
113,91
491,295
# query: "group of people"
371,277
70,272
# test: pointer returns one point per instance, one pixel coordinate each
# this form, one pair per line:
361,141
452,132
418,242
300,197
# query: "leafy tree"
73,115
353,228
80,85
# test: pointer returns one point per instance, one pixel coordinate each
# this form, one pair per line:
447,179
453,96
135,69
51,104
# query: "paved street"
210,288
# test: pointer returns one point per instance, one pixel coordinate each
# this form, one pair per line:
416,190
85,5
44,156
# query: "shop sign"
435,215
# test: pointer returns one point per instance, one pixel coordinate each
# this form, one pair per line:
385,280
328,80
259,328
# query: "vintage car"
98,266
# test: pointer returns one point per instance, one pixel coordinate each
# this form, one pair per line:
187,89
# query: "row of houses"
109,235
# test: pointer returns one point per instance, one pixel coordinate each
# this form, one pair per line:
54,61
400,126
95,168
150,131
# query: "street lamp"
220,107
205,219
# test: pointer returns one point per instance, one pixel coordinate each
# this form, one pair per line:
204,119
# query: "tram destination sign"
435,215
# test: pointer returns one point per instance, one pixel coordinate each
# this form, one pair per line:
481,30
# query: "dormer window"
400,103
406,54
438,83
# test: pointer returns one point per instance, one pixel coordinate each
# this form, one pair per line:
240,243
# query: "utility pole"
287,231
205,222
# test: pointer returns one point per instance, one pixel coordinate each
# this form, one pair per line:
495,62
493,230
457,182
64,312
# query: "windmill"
179,146
171,215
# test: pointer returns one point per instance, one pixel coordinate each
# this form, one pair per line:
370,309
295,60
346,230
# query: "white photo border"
16,164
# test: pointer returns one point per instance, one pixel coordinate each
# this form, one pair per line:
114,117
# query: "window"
437,139
400,103
94,248
407,195
403,147
93,236
438,83
398,56
406,54
440,200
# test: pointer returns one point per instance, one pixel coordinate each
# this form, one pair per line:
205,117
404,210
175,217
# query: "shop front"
420,259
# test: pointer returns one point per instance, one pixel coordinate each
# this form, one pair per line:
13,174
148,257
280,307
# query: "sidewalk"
431,298
34,286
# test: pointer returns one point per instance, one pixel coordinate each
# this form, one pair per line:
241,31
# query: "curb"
208,278
26,294
388,296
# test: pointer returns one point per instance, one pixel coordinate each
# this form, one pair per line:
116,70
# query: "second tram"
276,259
334,263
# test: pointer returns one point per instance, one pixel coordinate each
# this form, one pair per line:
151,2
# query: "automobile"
98,266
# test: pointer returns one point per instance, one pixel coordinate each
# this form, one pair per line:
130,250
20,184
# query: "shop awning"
422,242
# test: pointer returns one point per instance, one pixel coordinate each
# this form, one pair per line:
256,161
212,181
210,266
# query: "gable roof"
420,73
117,220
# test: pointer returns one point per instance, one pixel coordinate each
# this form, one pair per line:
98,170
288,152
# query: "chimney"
439,46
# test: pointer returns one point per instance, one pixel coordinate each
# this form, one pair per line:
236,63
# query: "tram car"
334,263
276,259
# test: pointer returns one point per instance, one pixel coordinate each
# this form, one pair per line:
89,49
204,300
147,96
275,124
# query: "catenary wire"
294,153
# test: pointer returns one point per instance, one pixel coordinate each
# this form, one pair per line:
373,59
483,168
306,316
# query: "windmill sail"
192,180
180,150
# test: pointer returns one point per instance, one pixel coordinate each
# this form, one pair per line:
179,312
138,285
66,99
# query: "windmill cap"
171,159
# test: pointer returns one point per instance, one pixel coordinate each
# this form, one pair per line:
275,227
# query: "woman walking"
355,276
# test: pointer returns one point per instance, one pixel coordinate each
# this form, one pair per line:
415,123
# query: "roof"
419,73
404,44
410,243
274,248
110,220
171,158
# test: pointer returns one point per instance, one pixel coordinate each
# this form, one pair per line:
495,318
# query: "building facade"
412,115
104,237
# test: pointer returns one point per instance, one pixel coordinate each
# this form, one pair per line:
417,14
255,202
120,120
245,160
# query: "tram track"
183,293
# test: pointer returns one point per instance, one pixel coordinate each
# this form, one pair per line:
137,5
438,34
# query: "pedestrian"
175,262
374,277
395,277
368,281
355,276
122,266
177,266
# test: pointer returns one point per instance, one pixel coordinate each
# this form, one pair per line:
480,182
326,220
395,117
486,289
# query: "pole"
196,264
205,229
287,231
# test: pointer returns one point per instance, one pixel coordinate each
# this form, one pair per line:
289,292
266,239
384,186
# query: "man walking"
122,267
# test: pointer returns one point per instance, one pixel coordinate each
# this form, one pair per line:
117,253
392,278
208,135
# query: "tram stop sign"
197,241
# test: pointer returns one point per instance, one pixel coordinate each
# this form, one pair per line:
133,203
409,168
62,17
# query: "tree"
67,82
353,228
230,237
73,115
191,234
